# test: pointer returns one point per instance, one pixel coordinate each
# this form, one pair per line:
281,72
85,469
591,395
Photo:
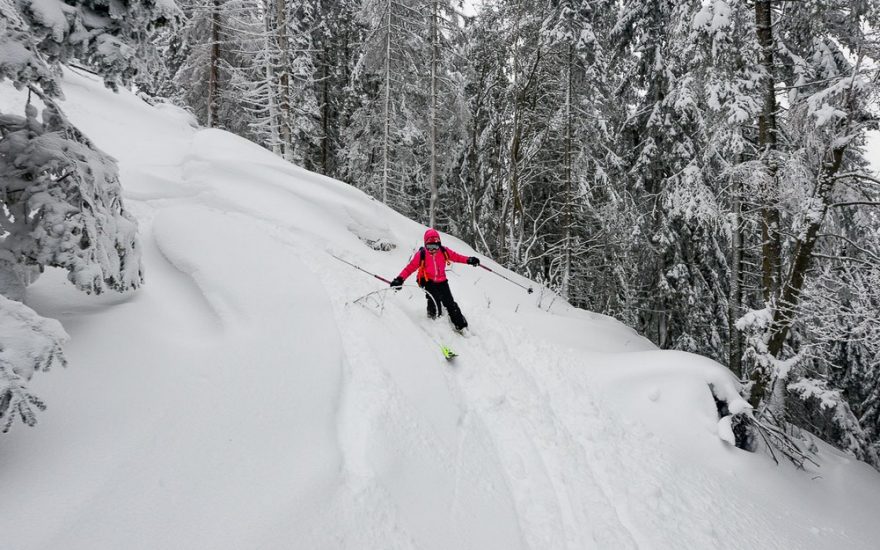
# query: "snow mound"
246,398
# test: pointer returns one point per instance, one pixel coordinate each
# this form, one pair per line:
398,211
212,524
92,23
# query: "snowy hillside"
241,400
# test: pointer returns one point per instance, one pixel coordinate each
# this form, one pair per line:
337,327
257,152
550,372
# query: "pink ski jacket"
435,262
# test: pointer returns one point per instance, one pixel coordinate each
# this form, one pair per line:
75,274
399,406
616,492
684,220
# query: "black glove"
473,260
397,282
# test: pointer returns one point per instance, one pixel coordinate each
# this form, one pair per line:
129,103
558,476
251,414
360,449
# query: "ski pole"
529,289
383,279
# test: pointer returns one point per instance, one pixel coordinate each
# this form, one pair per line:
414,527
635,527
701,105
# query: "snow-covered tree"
335,40
386,134
62,205
830,95
406,128
60,195
28,343
478,168
294,60
664,128
211,62
513,154
576,36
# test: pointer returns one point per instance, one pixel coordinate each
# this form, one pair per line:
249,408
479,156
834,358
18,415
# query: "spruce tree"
61,196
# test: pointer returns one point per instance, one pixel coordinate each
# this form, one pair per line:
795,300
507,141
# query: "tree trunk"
767,132
284,111
387,110
214,62
435,39
325,115
791,291
783,315
734,308
271,98
564,289
770,240
513,189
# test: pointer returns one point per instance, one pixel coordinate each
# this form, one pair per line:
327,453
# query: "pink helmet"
431,236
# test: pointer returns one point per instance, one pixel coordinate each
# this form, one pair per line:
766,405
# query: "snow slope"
242,399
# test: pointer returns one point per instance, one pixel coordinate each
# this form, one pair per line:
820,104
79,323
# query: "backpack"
422,276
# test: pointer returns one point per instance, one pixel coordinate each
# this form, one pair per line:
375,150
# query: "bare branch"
857,203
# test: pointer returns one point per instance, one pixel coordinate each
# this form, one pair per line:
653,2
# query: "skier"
431,261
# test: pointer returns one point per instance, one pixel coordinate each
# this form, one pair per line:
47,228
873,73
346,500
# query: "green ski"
447,352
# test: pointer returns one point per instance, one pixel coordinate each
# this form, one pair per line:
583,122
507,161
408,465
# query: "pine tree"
295,71
682,300
61,198
387,134
574,34
211,58
28,343
829,99
334,40
478,167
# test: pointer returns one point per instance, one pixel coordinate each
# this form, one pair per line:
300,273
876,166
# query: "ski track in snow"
518,409
263,408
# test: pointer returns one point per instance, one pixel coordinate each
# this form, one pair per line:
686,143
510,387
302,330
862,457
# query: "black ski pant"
442,297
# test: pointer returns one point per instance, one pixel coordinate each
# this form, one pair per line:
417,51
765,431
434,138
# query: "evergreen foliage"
28,343
60,195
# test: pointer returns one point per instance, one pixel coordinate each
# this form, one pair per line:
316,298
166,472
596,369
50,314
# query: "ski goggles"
432,246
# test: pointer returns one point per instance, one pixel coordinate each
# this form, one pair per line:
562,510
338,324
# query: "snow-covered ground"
242,400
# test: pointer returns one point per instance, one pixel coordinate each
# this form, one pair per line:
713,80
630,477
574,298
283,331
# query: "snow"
12,53
27,340
808,387
713,15
704,17
242,399
828,113
757,318
872,150
52,14
725,430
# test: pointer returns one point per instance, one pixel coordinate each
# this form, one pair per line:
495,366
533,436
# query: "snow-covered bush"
28,343
812,403
840,321
735,420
